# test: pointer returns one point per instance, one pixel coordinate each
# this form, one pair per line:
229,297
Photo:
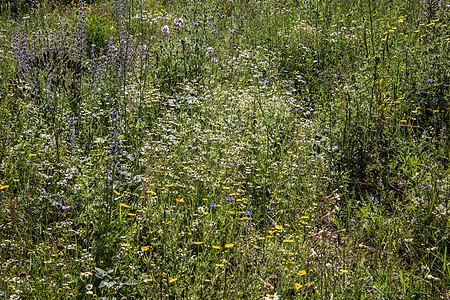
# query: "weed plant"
225,149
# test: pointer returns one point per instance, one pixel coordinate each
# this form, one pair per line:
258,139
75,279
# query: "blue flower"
248,213
426,186
229,198
430,80
213,205
298,109
265,81
195,23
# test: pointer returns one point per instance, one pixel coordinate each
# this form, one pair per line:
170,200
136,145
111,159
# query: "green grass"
254,150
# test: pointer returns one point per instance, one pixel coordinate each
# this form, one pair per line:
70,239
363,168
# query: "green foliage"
179,63
99,30
225,150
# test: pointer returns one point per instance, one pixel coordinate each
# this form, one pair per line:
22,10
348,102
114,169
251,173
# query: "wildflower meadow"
248,149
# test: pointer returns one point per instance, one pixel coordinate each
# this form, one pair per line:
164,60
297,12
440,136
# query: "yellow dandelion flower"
301,272
278,227
343,271
230,245
288,241
220,265
198,243
217,247
32,155
116,192
173,280
297,286
226,187
145,248
123,204
125,245
261,238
